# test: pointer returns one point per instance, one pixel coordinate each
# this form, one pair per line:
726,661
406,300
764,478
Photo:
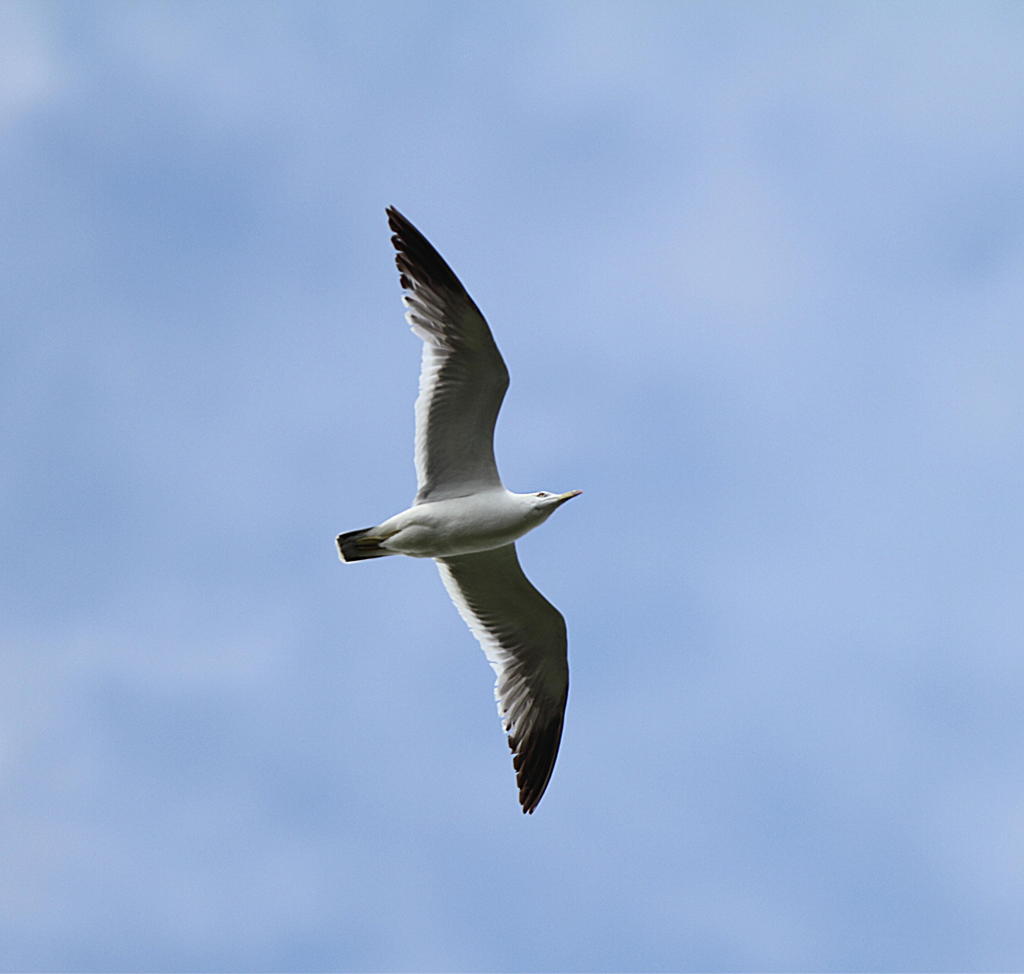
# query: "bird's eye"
543,493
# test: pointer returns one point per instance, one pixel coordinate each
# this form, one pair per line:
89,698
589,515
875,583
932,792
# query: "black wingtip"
534,761
416,257
395,218
405,232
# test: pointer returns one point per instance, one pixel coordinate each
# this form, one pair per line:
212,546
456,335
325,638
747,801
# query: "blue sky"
758,274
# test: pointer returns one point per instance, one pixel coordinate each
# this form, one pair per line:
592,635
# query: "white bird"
465,519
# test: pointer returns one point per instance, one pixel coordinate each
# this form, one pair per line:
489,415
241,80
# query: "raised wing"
462,375
523,636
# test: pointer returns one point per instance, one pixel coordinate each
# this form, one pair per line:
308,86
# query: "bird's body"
466,520
481,521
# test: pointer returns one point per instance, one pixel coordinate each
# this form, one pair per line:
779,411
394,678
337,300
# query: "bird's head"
545,503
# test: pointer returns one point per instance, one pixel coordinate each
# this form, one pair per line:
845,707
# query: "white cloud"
31,72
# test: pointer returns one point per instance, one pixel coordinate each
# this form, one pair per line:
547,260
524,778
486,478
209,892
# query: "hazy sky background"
758,274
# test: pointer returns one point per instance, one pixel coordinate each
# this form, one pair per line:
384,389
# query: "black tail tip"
356,546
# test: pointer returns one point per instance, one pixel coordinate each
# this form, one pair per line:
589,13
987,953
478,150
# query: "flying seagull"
465,519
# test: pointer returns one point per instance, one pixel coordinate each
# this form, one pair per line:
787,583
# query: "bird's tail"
360,545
